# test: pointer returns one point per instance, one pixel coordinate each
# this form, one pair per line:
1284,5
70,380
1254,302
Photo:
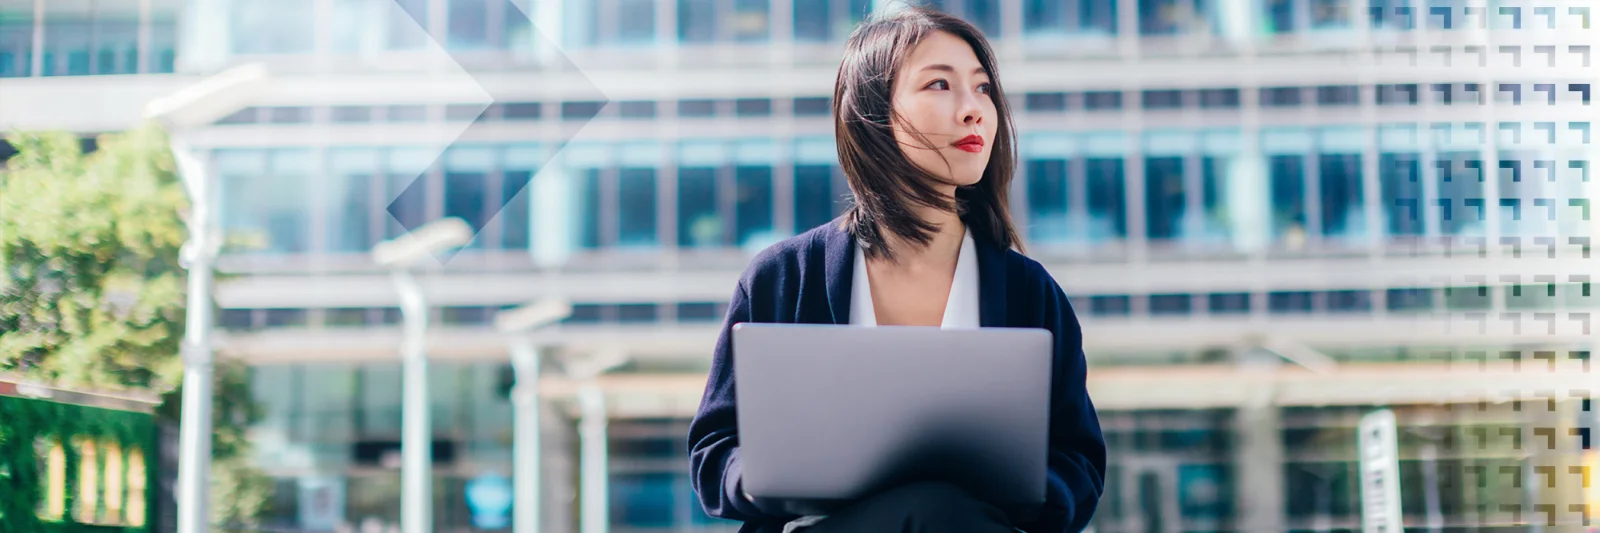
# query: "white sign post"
1380,473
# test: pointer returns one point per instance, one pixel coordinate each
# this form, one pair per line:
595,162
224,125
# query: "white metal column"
525,446
594,465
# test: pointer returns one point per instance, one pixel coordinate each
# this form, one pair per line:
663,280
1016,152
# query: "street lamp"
416,443
191,107
525,404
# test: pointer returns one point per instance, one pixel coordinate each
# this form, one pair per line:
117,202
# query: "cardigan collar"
839,249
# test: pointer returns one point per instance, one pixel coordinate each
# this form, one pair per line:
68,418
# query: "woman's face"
942,91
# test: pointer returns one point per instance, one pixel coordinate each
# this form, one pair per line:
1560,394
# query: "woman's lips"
970,143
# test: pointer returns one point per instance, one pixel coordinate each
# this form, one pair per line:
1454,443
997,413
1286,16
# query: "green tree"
93,292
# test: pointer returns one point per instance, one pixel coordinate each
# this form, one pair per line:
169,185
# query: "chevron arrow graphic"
574,82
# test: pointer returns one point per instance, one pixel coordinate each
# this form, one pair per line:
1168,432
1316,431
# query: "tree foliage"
93,292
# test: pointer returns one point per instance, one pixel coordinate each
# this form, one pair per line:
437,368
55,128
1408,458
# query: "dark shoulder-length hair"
886,186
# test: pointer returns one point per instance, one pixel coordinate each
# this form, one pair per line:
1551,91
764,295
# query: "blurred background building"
1269,214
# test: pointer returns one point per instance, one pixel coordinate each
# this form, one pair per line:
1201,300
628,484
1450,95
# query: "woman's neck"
942,249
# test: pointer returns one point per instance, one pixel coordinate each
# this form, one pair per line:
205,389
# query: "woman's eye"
939,84
983,88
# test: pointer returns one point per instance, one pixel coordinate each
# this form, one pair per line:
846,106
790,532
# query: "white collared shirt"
960,309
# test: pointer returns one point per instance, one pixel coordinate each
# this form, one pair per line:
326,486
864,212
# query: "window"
1047,200
407,113
1349,301
406,176
1219,98
1107,208
345,317
521,164
828,20
580,110
749,20
466,188
697,21
1541,297
1398,94
1289,302
274,26
587,192
1102,101
1046,102
468,112
1282,96
644,500
638,109
1120,305
1162,99
1400,175
1329,14
697,108
586,314
162,55
264,194
1410,299
610,23
351,204
1343,215
351,114
248,115
752,203
520,111
813,106
1173,17
285,318
699,224
985,14
16,38
1052,17
288,115
818,183
636,21
237,319
697,312
752,107
636,313
700,21
1286,174
83,38
407,25
1220,303
1280,16
1466,298
816,201
1338,95
1164,198
1170,304
1460,175
636,206
469,23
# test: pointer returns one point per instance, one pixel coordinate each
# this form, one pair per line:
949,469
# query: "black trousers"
917,508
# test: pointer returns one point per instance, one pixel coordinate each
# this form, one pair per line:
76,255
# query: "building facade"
1270,217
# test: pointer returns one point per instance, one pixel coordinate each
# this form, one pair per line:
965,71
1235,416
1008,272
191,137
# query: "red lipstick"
970,143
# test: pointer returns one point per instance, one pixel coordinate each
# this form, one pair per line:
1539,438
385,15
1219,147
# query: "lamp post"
191,107
525,404
416,442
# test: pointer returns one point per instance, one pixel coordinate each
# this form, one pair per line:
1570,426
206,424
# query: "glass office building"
1270,217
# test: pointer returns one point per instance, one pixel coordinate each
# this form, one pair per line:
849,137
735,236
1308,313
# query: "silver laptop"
829,414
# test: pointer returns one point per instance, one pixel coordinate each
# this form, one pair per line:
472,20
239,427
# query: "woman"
925,138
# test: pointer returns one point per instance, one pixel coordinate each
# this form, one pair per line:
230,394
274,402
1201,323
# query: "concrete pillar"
1259,455
594,485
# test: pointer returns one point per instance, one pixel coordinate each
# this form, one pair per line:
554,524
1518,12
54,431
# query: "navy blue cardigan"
806,279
